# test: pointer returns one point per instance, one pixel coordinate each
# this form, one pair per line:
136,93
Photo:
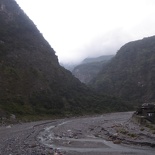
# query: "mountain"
31,80
90,67
97,59
68,66
131,72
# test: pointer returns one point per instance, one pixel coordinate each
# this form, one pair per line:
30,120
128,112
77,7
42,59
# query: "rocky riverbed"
108,134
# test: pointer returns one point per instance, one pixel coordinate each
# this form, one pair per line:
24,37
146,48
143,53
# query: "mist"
77,29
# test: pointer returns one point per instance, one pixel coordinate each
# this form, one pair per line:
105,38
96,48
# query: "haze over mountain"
77,29
31,80
131,72
90,67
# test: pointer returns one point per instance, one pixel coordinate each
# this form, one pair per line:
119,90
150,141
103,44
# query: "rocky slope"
131,72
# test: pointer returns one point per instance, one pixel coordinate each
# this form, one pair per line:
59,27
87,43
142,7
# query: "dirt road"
108,134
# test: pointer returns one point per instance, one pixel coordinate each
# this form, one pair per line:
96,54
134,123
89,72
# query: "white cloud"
83,28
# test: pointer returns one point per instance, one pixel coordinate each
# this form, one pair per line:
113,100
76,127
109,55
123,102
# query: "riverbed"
107,134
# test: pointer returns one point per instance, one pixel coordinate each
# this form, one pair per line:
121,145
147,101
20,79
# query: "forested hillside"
31,80
131,72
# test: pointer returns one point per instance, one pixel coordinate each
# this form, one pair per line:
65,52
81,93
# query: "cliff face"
131,72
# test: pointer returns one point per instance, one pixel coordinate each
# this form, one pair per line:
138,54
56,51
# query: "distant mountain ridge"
90,67
68,66
131,72
97,59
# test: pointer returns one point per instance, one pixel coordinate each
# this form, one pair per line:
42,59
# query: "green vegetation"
125,132
133,135
130,75
142,129
32,83
150,126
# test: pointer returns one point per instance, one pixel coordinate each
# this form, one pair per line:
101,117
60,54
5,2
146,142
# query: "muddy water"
60,137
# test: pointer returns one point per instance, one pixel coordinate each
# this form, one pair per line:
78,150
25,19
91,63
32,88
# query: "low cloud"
90,28
106,44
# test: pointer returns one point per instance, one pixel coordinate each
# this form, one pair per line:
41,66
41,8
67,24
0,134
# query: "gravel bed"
108,134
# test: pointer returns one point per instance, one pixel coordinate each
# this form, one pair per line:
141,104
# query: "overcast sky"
77,29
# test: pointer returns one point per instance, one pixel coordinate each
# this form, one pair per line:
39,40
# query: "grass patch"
151,127
142,129
123,131
133,135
